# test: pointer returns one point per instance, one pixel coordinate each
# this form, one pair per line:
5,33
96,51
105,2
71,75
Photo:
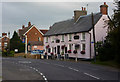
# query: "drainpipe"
90,46
25,44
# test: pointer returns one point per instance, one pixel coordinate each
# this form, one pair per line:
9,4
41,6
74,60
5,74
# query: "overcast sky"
43,14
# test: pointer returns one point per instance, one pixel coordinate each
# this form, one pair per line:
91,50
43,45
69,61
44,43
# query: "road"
55,70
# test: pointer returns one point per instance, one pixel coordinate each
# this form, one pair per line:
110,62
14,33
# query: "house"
32,37
4,40
75,36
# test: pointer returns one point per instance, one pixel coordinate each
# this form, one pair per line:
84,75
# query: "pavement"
56,70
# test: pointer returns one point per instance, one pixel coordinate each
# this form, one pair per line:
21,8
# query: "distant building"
75,36
4,40
32,36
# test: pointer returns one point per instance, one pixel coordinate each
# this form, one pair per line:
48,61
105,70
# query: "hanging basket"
82,52
69,51
75,51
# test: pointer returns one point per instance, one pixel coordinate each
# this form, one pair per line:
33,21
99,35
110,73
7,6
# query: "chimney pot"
4,34
82,8
23,26
104,9
104,3
29,24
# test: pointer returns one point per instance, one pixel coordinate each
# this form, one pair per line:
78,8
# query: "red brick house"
4,40
32,37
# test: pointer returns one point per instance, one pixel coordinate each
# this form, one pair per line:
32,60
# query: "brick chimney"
23,26
4,34
104,9
29,24
78,13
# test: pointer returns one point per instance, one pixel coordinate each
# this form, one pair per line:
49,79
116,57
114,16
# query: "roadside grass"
107,63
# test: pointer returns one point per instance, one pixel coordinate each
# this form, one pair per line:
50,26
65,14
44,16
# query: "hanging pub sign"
76,37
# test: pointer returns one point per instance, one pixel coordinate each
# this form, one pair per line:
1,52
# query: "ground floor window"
83,47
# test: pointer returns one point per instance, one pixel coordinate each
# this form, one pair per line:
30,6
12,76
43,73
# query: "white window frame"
5,44
46,39
35,46
62,38
82,46
39,38
52,38
69,46
70,37
83,36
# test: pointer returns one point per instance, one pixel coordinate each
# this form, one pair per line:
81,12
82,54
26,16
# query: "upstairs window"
69,37
5,44
46,39
39,39
82,36
62,38
52,38
5,39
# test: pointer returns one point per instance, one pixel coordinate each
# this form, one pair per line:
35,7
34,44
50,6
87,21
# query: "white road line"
31,67
75,70
41,74
36,70
59,65
91,76
70,67
45,78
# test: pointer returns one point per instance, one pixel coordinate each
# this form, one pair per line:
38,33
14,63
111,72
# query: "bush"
11,54
105,52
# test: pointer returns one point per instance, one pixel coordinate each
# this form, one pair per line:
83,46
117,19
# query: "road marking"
36,70
45,78
91,76
70,67
24,61
41,74
73,69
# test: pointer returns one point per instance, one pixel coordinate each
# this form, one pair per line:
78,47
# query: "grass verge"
107,63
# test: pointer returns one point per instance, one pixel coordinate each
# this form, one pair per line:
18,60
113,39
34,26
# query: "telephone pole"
94,38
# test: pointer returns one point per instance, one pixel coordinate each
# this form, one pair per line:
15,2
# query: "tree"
110,49
114,34
16,43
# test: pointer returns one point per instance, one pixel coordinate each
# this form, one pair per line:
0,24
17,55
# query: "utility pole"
94,38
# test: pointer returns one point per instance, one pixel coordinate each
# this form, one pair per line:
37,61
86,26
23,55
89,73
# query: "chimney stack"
104,9
29,24
4,34
78,13
23,26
